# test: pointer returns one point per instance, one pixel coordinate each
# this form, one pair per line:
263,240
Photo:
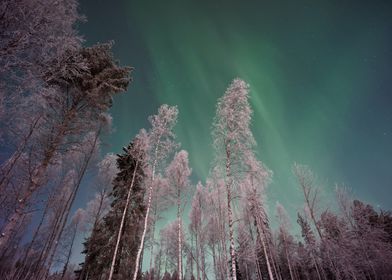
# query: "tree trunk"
48,244
13,221
287,257
152,242
229,185
316,266
69,252
203,264
122,223
214,261
25,269
192,258
260,234
70,201
197,256
139,252
96,220
231,236
17,154
36,182
179,235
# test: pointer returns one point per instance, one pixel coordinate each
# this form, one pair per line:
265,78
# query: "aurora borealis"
319,73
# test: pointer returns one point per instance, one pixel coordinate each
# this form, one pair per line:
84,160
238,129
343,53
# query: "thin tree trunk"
316,266
152,241
229,185
231,236
48,244
273,258
139,252
260,275
96,219
13,221
222,254
225,270
159,264
23,271
214,261
192,257
246,271
122,223
36,182
203,265
143,235
197,256
69,252
263,245
179,235
287,256
59,214
15,157
71,199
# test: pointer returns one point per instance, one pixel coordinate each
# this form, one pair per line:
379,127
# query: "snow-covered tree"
117,236
178,173
232,139
198,229
161,144
285,238
138,153
169,242
83,82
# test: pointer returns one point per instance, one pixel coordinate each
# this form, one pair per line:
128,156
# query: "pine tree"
83,83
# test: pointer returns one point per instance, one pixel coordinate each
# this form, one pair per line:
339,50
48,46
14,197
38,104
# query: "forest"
55,103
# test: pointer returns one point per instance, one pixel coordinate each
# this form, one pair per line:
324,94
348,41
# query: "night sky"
320,74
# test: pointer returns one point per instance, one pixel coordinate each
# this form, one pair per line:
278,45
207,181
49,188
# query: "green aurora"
319,72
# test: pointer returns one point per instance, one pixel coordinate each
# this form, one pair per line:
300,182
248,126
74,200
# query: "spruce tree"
100,246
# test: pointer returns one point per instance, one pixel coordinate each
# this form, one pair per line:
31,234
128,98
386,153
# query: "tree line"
55,97
226,233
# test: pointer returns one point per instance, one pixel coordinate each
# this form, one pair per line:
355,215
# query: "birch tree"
169,241
232,139
178,173
285,237
198,228
216,213
307,181
161,145
161,201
